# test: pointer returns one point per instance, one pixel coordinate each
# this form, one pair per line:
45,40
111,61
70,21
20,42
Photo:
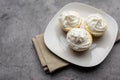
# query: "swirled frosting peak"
96,23
79,39
69,19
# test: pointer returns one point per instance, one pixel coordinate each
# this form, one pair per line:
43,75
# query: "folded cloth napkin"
49,61
118,36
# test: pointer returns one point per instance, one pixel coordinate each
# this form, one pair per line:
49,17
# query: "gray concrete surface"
20,20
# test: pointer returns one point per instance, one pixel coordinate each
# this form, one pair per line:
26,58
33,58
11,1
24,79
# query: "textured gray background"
20,20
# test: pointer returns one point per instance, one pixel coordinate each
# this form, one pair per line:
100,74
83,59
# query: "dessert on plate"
96,25
69,20
79,39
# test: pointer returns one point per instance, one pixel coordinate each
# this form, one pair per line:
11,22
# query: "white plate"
55,38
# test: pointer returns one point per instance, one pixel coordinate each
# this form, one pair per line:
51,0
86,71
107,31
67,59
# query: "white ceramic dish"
55,38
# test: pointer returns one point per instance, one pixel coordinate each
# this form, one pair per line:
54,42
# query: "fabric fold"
49,61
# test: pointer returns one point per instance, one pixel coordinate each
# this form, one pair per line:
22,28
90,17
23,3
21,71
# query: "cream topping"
69,19
96,23
78,39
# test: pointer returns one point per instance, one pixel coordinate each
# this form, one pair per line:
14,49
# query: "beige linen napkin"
49,61
118,36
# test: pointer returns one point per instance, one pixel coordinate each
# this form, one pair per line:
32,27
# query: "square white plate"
55,38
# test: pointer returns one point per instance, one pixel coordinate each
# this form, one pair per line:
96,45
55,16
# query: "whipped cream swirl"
69,19
96,23
79,39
